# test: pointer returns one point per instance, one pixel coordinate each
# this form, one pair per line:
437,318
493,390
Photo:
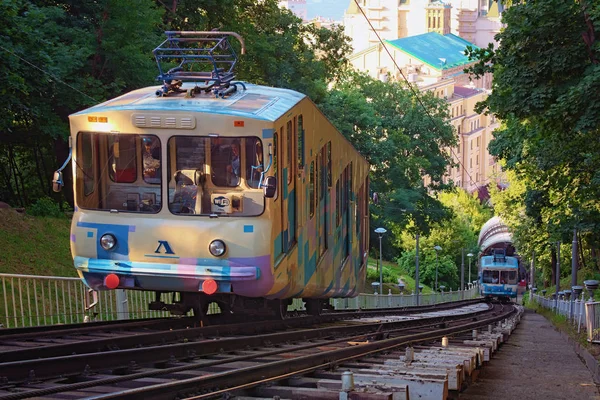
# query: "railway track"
28,343
208,364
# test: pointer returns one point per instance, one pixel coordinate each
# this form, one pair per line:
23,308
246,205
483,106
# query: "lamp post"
462,273
380,232
437,264
417,266
469,255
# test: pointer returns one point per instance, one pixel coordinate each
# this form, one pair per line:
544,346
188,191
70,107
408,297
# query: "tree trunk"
555,278
37,155
45,171
8,184
580,252
13,166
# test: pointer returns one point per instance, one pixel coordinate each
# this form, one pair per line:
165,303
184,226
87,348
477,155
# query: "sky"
333,9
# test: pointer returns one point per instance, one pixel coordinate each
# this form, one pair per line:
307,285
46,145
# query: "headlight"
108,241
217,248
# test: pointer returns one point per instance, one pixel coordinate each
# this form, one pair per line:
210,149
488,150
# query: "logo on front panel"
164,244
221,201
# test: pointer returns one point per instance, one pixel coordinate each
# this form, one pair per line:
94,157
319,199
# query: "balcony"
467,28
375,16
467,16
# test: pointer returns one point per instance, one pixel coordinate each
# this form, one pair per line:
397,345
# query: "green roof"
433,48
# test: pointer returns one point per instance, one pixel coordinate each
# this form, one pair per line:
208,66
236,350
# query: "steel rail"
17,371
129,340
255,374
204,364
91,327
49,330
55,330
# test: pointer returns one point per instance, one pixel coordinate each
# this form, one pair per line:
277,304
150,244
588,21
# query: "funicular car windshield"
215,175
119,172
499,277
206,175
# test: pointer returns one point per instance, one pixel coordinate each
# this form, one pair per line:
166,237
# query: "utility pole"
417,269
557,273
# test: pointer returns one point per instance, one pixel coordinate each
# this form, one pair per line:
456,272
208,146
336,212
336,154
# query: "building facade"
434,63
298,7
476,21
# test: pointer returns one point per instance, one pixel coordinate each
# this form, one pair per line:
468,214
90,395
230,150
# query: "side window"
122,158
300,143
288,161
338,195
322,174
329,164
311,188
275,163
87,163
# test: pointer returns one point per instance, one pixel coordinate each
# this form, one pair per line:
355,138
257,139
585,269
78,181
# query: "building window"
477,160
478,142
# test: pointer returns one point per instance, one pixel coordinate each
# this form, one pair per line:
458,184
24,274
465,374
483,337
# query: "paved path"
535,363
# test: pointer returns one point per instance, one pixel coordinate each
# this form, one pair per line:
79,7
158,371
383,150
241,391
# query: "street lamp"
380,232
469,255
437,264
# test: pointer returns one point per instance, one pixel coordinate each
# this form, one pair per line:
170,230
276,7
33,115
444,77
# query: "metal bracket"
90,299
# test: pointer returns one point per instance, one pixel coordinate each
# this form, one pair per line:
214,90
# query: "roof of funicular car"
256,102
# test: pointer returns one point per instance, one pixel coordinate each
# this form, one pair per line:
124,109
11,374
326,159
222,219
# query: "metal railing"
581,314
32,300
370,301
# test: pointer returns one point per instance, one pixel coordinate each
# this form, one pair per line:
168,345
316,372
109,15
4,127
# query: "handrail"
47,277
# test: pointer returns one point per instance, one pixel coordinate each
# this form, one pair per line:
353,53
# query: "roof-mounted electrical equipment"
198,56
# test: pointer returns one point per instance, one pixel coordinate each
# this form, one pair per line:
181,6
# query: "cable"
49,74
415,93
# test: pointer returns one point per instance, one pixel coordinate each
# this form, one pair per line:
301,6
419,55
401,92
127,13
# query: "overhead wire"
49,74
415,93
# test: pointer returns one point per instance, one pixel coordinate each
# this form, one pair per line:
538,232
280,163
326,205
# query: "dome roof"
493,232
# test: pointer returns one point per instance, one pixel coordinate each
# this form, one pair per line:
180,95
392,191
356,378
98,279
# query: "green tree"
547,91
59,57
280,50
455,235
402,143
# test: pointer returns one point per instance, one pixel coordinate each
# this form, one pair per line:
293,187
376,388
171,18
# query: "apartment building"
434,63
476,21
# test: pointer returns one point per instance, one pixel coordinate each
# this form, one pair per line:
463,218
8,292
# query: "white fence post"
122,304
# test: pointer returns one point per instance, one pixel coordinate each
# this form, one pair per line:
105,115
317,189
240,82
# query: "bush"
389,275
45,207
372,274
